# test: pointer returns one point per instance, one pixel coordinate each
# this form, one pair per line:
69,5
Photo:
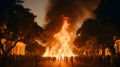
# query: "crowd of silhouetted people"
31,59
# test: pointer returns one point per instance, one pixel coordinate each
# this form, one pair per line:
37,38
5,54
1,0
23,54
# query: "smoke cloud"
76,10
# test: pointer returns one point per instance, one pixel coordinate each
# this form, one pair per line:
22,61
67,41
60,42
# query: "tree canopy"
16,25
103,28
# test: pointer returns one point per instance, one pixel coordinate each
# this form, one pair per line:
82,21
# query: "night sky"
38,7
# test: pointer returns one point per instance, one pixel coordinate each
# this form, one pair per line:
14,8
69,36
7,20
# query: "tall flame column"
64,48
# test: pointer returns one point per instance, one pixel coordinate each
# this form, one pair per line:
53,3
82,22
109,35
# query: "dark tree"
16,23
103,28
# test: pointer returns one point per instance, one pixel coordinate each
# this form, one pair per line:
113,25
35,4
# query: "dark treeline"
16,25
103,28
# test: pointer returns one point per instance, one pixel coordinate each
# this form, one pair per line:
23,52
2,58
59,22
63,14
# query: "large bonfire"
63,36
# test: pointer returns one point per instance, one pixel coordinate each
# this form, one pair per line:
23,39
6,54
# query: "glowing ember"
64,49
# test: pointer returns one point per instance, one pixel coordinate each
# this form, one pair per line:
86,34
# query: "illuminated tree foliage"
16,25
103,28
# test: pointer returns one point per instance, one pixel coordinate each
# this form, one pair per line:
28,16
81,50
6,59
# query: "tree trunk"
4,56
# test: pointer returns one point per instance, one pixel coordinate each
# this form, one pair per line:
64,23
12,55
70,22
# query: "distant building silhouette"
107,51
19,49
117,46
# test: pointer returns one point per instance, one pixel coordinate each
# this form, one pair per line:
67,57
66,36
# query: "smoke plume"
76,10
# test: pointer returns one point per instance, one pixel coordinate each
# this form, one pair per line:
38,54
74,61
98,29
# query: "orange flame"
64,49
